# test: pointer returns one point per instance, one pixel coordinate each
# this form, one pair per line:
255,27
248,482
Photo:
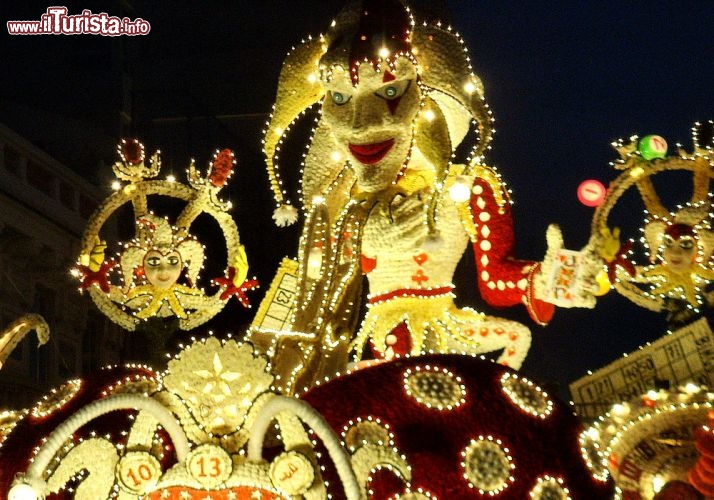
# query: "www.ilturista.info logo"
56,22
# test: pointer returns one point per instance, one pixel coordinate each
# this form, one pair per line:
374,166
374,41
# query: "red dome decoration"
435,431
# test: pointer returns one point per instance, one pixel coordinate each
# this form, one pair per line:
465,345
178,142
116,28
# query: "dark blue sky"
564,79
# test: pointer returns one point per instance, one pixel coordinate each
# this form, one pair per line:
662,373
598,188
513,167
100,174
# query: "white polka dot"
484,216
491,285
477,189
485,245
484,275
501,285
485,231
484,260
523,284
480,203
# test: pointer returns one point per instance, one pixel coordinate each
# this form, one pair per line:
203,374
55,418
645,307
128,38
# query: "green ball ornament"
652,146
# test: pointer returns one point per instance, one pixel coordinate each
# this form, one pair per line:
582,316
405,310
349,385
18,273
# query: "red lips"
369,154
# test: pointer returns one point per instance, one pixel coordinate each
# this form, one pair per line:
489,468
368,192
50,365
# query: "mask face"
162,269
372,122
679,253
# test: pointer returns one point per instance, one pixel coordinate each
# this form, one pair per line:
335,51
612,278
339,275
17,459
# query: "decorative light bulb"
22,491
691,388
314,263
460,190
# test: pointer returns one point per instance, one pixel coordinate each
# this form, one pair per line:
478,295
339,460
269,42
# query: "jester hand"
92,269
615,253
398,224
240,263
94,259
567,277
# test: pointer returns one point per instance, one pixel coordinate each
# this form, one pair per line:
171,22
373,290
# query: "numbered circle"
652,146
138,471
292,473
591,193
210,465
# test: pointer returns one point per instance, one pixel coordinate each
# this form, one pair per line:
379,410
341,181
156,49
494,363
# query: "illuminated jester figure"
678,243
157,273
382,195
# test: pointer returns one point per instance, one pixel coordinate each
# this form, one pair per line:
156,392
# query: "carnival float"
359,376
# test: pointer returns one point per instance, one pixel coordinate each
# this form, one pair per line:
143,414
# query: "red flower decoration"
232,289
98,277
222,167
132,151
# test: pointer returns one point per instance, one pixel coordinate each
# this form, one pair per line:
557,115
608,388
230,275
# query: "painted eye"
668,241
153,261
393,90
173,260
686,244
340,98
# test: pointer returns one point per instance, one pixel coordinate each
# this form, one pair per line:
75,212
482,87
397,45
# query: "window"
13,161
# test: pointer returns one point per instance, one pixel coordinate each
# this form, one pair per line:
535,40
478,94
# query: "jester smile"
369,154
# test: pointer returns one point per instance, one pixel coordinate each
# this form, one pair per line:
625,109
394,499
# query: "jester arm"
502,280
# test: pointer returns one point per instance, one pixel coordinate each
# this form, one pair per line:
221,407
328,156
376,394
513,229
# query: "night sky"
564,79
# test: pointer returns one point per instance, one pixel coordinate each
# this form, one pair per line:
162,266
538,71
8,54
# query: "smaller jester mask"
153,262
680,247
683,246
681,240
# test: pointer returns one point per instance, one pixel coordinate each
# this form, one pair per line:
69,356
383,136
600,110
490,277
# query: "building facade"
44,207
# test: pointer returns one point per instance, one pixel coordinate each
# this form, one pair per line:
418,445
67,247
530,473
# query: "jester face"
680,247
372,121
162,269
